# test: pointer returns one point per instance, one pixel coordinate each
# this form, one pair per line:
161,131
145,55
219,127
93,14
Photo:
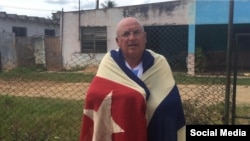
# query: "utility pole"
97,4
79,21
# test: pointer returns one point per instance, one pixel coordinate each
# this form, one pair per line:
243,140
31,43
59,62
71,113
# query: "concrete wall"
212,12
39,50
166,13
53,54
29,51
7,51
217,11
33,28
25,51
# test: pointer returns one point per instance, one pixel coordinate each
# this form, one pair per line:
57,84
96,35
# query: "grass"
46,119
182,78
213,114
203,114
39,119
242,114
32,74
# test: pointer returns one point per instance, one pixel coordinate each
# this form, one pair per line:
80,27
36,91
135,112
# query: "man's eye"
126,34
136,32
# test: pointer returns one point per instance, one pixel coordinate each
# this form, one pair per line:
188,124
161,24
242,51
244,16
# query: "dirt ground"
78,90
44,89
243,94
214,93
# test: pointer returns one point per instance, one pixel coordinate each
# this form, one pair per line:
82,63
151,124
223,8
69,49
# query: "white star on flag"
104,125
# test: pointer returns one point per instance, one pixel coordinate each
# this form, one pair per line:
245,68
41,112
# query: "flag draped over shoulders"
119,106
166,120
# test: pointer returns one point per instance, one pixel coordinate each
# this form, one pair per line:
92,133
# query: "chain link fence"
202,93
41,105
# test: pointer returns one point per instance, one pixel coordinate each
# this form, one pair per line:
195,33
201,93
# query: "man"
133,96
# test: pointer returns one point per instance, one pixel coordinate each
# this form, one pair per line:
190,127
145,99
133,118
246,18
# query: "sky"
45,8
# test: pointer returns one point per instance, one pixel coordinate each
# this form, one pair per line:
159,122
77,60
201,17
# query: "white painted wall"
166,13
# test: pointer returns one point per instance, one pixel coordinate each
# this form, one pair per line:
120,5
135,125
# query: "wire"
16,7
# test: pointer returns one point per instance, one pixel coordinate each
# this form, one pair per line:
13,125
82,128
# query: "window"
50,32
20,31
93,39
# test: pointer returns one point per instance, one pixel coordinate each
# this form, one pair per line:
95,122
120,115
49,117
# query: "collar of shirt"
137,70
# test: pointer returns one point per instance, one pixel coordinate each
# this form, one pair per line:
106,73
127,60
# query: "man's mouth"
132,45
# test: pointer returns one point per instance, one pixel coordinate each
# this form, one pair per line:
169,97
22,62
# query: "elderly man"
133,96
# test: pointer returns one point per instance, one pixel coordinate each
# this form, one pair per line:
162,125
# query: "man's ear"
116,39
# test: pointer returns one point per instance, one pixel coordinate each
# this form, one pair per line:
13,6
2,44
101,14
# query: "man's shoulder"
155,54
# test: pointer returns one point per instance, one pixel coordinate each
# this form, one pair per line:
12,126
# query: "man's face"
131,38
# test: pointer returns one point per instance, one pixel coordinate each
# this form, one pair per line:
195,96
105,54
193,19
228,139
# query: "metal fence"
39,105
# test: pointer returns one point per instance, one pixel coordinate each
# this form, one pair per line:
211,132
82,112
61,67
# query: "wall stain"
158,8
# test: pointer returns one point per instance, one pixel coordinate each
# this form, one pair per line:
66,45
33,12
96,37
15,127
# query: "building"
24,40
27,26
175,29
90,35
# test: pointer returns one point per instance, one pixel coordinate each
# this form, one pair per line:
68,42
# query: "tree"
108,4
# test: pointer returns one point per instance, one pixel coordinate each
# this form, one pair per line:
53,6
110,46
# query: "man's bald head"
125,21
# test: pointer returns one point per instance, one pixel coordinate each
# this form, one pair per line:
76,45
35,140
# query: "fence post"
229,61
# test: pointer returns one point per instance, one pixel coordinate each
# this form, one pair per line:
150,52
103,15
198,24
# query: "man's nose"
132,35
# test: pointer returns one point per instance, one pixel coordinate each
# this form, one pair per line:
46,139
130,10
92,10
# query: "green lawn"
39,119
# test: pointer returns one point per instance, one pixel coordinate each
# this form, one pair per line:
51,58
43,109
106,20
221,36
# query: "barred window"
20,31
50,32
93,39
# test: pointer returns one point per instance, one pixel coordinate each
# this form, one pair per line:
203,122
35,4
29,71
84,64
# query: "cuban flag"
119,106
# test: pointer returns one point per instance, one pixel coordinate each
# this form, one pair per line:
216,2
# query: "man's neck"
133,62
